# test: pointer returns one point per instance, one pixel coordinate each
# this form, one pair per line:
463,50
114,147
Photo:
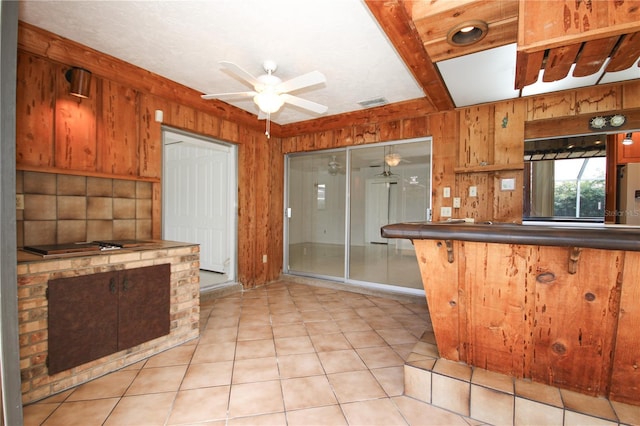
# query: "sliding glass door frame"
349,151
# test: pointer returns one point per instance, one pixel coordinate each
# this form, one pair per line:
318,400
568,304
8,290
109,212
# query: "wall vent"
370,103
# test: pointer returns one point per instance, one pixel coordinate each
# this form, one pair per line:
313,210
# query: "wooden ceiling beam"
396,22
434,19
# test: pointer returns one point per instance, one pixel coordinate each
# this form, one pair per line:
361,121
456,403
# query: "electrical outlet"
473,191
445,211
456,202
446,192
20,201
264,258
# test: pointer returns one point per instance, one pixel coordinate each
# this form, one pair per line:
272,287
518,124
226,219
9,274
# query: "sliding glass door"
338,200
316,212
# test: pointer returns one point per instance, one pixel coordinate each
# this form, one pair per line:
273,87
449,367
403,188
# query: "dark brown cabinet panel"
92,316
83,319
144,293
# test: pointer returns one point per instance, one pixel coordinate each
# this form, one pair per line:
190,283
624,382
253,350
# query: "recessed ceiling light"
617,120
467,32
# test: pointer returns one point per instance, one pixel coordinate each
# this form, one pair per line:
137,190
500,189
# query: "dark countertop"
602,237
25,256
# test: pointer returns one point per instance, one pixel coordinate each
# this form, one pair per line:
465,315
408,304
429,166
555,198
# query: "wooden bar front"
560,315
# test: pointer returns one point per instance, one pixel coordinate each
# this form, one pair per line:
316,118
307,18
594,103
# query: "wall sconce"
628,139
80,80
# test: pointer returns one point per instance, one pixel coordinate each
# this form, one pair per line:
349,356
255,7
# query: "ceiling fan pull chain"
268,131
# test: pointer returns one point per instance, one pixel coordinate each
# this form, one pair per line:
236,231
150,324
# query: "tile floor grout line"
273,301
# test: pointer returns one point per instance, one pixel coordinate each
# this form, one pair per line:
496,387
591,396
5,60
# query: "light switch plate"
445,211
508,184
446,192
456,202
473,191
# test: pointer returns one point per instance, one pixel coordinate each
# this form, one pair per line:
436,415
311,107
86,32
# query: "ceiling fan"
270,93
334,167
389,159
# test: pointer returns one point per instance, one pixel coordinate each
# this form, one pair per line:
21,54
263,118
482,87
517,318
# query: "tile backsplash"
65,208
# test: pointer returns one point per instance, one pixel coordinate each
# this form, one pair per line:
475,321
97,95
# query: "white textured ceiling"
185,41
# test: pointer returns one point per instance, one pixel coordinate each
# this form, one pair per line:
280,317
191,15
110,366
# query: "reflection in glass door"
341,198
316,211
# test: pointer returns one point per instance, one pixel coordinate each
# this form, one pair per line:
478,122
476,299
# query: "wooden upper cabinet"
583,34
628,153
547,24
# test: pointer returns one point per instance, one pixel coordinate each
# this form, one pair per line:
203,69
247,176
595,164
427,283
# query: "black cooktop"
68,248
63,248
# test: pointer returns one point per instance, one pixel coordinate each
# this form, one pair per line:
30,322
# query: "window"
565,179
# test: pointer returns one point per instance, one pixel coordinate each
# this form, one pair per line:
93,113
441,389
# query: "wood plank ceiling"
553,36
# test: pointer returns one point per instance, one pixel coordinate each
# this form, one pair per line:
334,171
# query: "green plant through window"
565,189
579,187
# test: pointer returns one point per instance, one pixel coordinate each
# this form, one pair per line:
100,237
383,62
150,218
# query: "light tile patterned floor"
284,354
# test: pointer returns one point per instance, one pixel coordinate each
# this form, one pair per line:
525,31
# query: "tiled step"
501,400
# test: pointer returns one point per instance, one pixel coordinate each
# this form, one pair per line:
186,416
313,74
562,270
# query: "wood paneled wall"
113,134
475,146
442,127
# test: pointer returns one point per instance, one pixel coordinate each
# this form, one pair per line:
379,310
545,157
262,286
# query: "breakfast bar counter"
553,304
601,237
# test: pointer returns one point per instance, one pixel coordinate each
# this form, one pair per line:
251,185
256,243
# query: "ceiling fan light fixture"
268,102
468,32
392,159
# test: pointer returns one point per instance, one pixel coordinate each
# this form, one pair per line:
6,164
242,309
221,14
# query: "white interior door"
198,199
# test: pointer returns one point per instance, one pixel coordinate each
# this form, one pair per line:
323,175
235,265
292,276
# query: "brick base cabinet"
34,274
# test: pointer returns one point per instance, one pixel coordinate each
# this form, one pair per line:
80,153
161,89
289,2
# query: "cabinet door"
628,153
83,314
143,312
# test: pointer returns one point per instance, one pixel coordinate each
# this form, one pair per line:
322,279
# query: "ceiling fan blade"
229,95
244,75
305,80
303,103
